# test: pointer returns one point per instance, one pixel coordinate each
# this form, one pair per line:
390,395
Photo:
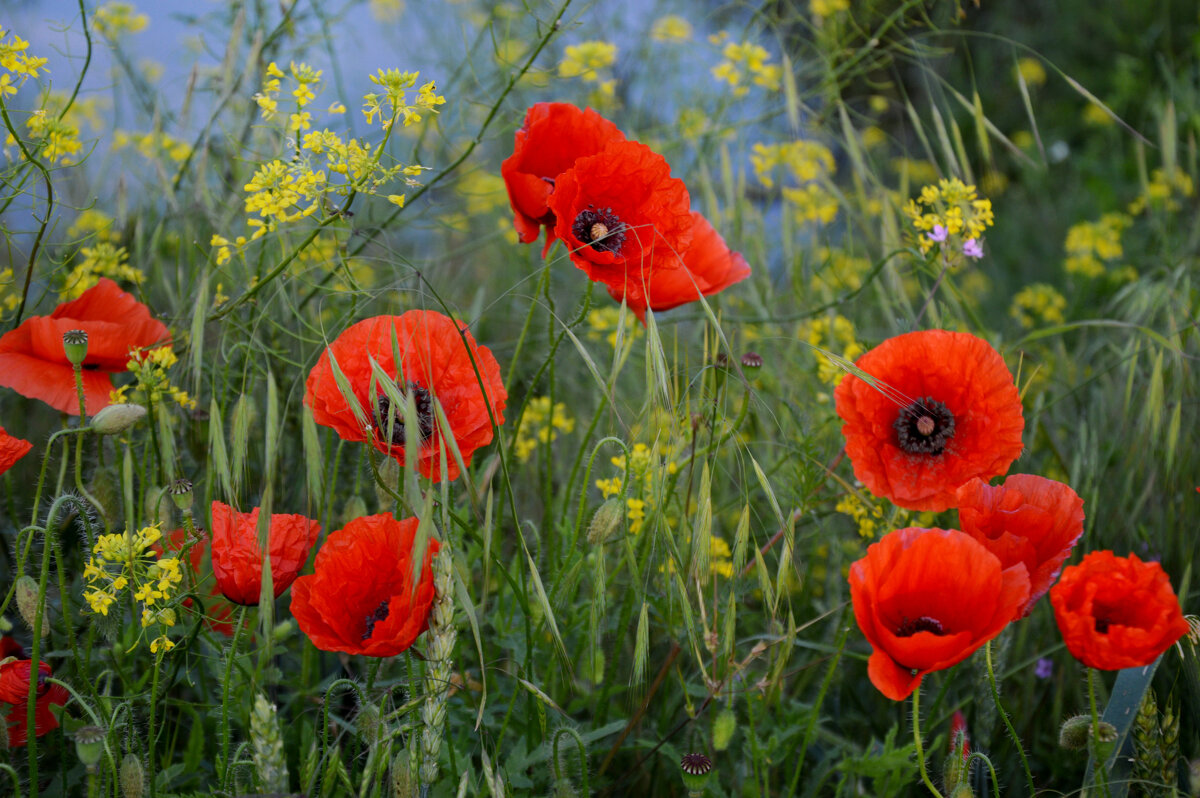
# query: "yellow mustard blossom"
102,260
150,367
387,10
672,29
1093,247
602,323
10,295
833,335
154,145
840,272
873,137
1023,139
812,203
640,477
950,215
1038,303
586,59
804,160
18,65
116,18
92,223
126,560
1163,191
1031,71
720,558
1096,116
827,8
483,192
394,104
58,139
540,424
916,170
746,59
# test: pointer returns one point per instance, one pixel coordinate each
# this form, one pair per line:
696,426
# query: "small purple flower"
938,233
1044,668
972,248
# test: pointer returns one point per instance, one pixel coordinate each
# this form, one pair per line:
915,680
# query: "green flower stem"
150,758
810,732
233,645
1012,733
78,369
35,655
916,714
37,492
1101,761
12,774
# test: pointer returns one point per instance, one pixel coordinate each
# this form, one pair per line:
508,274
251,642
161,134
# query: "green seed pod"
75,345
89,746
27,603
696,771
605,521
133,778
181,494
723,728
115,419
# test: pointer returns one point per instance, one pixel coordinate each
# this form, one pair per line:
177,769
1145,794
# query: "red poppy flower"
926,599
552,138
1027,519
623,217
434,363
1116,612
14,689
9,647
12,449
217,610
237,559
709,266
361,598
940,408
33,363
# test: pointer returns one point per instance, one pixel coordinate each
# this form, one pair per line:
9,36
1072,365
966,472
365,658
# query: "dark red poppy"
552,138
438,359
936,410
217,610
1116,612
623,217
361,598
1027,519
34,364
709,266
926,599
12,449
15,675
237,559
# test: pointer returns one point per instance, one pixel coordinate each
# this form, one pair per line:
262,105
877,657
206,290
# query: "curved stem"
1012,733
153,711
237,634
1101,761
916,712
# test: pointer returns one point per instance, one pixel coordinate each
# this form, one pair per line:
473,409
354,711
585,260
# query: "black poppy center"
923,624
600,228
389,418
380,614
924,427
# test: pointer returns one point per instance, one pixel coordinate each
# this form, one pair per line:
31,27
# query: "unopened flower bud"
75,344
89,746
181,494
723,728
696,769
354,507
605,521
27,602
369,723
752,360
1076,732
133,778
117,418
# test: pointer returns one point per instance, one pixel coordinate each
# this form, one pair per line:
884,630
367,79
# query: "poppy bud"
181,494
117,418
723,728
133,778
75,344
370,724
605,521
696,769
355,507
89,745
1076,731
27,602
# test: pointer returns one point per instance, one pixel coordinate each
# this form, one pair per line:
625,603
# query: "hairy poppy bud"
133,778
75,345
27,602
723,728
1076,731
117,418
605,521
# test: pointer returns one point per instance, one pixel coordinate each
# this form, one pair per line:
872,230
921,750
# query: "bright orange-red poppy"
1028,519
361,598
1116,612
15,675
34,364
438,360
709,266
237,558
12,449
926,599
552,138
623,217
938,409
217,610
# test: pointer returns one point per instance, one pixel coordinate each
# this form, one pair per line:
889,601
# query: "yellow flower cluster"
1038,303
804,160
868,514
153,145
116,18
835,335
827,8
671,29
540,424
102,260
812,203
642,471
18,66
949,209
840,272
742,60
1092,247
602,323
720,559
126,560
590,62
58,139
10,297
93,223
1162,191
1031,71
150,367
393,104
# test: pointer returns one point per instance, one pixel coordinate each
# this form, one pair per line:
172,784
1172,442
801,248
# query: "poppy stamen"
908,628
602,229
924,427
393,421
380,614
